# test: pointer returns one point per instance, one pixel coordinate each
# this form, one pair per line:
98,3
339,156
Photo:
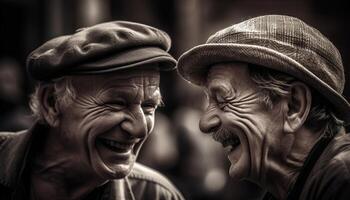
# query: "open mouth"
115,146
229,140
231,144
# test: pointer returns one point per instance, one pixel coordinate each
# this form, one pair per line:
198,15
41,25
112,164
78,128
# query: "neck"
57,173
286,170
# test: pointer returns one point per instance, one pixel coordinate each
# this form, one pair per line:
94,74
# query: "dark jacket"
329,178
326,172
142,183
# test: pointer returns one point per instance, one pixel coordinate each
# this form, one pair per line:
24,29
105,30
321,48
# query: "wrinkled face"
110,118
249,131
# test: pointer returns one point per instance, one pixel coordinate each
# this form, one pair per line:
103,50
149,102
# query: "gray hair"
64,92
275,85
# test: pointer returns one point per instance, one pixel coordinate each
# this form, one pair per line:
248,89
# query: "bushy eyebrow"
126,92
217,88
121,91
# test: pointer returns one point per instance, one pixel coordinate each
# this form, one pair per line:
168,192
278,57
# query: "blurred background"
190,159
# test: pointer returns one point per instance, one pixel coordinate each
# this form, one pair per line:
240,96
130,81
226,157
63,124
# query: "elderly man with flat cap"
95,100
275,103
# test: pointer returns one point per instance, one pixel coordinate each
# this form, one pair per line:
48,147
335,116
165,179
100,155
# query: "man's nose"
209,122
135,123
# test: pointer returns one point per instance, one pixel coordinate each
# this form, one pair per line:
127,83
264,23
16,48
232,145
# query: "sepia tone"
188,153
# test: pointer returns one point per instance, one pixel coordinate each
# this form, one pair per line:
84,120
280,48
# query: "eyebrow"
123,92
213,89
118,91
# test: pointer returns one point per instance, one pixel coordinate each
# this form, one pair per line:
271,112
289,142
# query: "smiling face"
250,132
106,124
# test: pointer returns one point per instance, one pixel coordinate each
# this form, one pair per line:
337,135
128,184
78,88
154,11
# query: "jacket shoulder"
145,173
330,178
152,180
333,182
6,137
11,146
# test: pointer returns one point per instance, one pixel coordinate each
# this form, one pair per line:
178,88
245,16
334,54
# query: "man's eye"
220,99
116,104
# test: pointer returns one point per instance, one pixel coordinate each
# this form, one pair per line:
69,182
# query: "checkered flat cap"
281,43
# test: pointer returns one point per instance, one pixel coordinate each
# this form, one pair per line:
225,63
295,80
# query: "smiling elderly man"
97,93
275,103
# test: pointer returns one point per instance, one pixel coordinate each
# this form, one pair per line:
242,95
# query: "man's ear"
298,107
49,105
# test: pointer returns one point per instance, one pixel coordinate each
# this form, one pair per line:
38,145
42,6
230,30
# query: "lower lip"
235,154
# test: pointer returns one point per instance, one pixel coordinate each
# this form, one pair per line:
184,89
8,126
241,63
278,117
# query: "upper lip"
121,141
121,144
225,137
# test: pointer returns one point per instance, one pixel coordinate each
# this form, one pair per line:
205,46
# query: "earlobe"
297,107
49,105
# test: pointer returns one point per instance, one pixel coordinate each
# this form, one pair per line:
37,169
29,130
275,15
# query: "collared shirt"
141,183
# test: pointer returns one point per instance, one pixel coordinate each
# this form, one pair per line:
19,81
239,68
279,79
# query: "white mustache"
222,134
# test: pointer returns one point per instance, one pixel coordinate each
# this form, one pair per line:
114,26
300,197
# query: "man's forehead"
223,70
228,74
117,80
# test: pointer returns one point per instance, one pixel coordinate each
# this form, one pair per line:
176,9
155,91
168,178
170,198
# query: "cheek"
276,137
101,120
249,125
252,115
247,118
264,135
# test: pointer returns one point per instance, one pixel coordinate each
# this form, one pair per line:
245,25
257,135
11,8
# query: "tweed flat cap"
101,48
281,43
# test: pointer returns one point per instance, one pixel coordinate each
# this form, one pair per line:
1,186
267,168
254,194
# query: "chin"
239,173
107,170
113,171
121,170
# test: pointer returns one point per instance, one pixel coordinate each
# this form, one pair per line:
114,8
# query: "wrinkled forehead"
234,73
119,80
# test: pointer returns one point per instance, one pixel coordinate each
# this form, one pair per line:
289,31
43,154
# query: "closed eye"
220,99
116,104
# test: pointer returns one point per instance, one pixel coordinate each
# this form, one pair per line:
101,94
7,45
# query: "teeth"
228,149
231,143
115,144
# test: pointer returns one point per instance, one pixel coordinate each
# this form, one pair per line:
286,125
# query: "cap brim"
128,59
194,64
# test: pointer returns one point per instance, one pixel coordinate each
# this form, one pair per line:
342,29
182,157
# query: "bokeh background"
195,164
